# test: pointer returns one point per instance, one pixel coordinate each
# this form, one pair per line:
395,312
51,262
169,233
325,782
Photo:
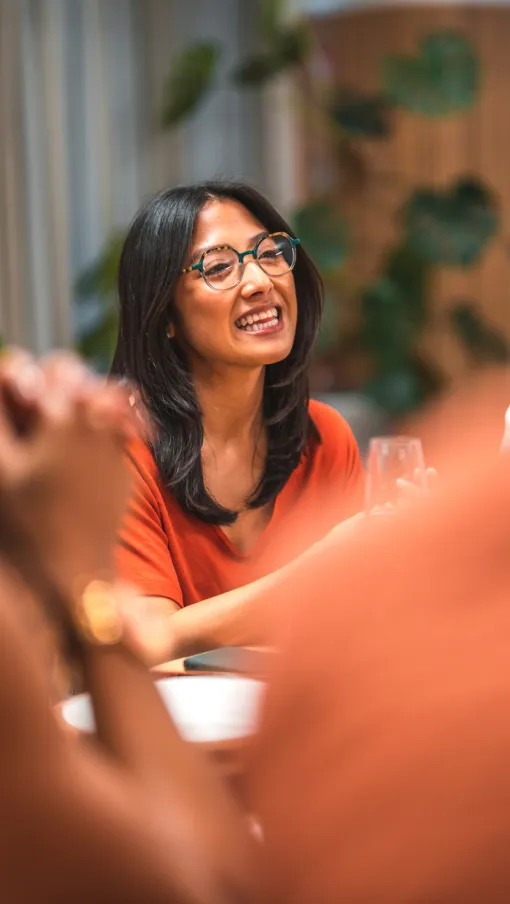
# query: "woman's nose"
254,279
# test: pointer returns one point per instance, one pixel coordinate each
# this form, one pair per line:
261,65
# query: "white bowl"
206,709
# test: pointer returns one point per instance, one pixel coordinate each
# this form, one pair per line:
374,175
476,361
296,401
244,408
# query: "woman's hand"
409,490
63,481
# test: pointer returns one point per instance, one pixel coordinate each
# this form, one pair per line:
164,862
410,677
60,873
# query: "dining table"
229,757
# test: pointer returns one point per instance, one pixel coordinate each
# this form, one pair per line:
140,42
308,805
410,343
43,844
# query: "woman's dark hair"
153,256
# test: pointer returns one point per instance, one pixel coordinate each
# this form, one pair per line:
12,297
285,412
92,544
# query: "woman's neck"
231,404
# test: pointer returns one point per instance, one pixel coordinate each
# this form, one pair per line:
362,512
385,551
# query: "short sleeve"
143,556
342,460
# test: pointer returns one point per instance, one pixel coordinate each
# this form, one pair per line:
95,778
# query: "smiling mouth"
263,321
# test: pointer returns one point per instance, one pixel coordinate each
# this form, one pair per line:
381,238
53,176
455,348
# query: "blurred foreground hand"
382,770
63,479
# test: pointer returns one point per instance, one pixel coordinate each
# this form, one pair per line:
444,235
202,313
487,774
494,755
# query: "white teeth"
252,323
256,327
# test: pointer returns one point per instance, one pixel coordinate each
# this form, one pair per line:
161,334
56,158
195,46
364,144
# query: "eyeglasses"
222,267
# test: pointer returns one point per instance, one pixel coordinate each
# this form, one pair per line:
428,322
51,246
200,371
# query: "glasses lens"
221,268
276,254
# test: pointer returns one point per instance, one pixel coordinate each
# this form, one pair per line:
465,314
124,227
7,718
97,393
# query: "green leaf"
397,391
394,311
327,339
257,70
407,270
271,16
293,44
100,279
443,78
189,81
97,345
323,233
484,343
289,47
389,327
404,389
452,227
360,115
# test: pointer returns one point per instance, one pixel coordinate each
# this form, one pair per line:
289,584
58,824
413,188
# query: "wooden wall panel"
424,151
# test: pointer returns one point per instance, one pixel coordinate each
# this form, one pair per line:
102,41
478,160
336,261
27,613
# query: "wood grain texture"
426,151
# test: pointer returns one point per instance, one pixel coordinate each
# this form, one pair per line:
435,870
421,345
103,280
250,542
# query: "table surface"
176,666
173,667
226,754
228,757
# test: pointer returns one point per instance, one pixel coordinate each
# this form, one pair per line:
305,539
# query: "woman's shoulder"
330,423
144,475
335,462
141,458
337,451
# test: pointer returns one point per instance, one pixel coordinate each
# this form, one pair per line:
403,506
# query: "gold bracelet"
98,615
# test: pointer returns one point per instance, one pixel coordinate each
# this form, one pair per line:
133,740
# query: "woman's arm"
240,617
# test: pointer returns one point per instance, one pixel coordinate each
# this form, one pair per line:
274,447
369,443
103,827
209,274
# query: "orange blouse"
166,552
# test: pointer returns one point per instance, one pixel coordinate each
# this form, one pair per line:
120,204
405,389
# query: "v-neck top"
169,553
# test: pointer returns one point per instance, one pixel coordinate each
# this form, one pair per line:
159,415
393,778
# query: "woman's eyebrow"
197,254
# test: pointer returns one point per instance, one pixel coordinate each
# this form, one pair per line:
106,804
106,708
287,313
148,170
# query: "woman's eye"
218,269
272,255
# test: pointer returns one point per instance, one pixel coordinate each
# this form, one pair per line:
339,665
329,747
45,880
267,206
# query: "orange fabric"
166,552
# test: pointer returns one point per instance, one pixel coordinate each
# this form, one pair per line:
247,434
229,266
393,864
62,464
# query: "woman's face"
211,324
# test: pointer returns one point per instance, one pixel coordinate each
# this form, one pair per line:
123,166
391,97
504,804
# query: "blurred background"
382,132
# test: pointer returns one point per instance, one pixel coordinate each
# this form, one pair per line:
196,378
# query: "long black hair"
153,256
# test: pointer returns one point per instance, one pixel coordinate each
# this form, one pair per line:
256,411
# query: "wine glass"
392,459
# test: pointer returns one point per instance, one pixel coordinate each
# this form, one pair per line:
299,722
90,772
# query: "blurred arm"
139,817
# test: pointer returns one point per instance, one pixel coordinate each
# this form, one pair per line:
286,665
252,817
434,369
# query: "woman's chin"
263,350
264,357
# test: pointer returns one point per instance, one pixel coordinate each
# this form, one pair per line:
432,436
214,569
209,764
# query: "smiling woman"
219,311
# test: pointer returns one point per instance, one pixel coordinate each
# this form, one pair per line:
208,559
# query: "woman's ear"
171,331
